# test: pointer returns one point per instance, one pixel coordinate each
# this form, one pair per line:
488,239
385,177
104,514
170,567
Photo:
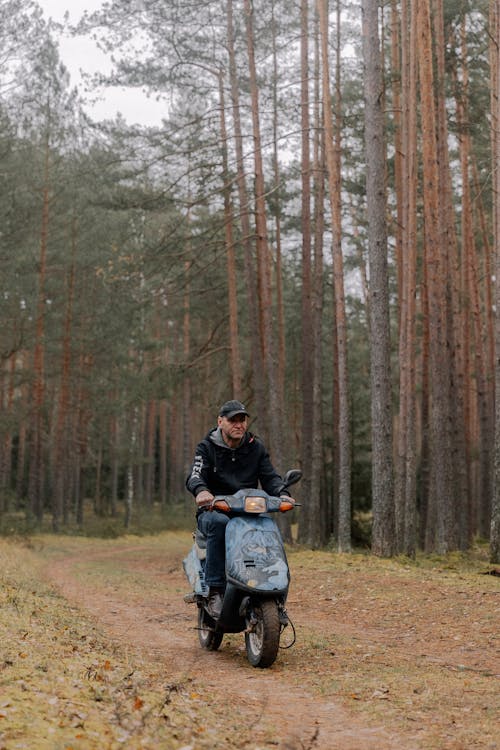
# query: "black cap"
231,408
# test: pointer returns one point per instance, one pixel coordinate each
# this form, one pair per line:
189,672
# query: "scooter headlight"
255,505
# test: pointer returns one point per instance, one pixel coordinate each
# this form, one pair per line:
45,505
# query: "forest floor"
99,650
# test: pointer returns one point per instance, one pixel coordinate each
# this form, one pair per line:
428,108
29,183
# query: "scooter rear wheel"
262,643
208,637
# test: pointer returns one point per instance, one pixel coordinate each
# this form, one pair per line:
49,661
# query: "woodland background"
313,229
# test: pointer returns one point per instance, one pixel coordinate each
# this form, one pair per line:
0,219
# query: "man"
228,459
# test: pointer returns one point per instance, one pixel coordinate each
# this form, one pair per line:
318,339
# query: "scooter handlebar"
253,501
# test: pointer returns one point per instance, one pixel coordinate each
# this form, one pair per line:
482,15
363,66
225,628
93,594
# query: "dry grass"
64,685
410,647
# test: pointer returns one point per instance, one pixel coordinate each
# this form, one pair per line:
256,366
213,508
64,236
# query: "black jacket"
224,470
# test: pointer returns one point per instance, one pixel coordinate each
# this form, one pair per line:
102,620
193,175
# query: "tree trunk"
406,444
7,403
495,110
321,487
62,432
381,400
162,451
343,431
131,481
480,491
230,252
257,371
115,464
280,315
310,520
37,472
435,260
264,265
150,450
186,350
22,440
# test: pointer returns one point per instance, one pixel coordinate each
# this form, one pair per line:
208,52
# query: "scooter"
257,574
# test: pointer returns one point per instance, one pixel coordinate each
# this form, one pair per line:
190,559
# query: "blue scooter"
257,574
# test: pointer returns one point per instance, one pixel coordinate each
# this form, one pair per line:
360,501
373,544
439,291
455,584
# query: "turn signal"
286,505
222,505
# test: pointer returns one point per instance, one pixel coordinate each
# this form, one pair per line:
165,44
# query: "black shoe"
214,604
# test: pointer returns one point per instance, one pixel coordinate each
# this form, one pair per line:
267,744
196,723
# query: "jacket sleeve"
198,477
268,476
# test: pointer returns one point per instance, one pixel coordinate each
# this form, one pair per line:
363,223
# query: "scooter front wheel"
208,637
263,640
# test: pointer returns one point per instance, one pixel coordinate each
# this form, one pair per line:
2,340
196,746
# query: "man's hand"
287,497
204,498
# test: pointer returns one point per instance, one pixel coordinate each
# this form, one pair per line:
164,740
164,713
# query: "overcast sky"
82,54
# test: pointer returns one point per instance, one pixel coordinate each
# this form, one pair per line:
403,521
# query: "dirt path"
361,675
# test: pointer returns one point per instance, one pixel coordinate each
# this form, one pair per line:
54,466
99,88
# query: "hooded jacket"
223,470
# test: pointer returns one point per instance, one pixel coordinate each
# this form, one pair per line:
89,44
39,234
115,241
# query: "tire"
209,638
263,642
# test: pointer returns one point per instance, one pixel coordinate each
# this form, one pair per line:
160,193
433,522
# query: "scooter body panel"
194,570
255,556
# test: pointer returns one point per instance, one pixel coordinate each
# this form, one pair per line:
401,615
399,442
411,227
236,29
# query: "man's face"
234,428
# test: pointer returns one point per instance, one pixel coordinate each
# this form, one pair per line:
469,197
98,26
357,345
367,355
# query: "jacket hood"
215,436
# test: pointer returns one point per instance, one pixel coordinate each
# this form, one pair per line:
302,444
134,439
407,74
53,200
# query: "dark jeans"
213,525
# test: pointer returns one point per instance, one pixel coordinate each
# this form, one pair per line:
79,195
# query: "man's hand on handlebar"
204,499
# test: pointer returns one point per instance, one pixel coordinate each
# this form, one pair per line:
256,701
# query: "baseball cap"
231,408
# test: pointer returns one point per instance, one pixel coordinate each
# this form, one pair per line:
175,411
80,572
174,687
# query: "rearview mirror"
291,477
